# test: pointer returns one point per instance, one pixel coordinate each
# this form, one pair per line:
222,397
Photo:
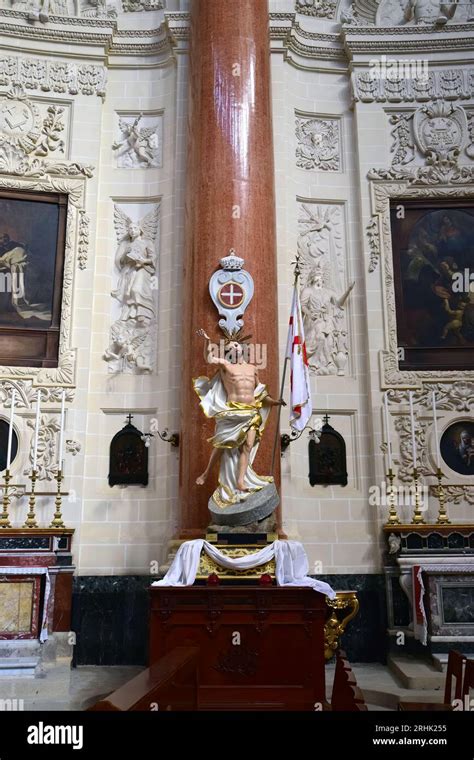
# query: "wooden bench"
170,684
346,695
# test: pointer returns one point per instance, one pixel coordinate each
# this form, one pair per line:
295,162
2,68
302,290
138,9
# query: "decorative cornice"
321,36
315,51
287,33
55,34
139,48
406,31
99,33
279,32
178,25
361,45
177,16
159,31
282,17
60,20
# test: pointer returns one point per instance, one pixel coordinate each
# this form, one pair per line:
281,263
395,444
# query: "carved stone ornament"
22,126
444,84
83,239
323,289
317,8
454,397
440,129
133,335
41,10
73,447
139,146
318,144
231,289
26,394
21,169
49,75
131,6
47,460
437,135
396,13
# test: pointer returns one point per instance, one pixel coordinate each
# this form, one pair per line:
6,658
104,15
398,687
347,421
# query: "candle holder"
393,518
417,514
443,518
4,520
57,521
30,521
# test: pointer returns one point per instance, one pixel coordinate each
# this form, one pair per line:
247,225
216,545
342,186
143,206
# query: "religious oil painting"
32,240
433,257
457,447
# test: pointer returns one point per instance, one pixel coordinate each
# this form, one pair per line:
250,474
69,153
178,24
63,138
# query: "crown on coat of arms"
231,262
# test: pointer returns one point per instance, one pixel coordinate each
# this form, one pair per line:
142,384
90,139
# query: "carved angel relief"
322,291
138,146
133,334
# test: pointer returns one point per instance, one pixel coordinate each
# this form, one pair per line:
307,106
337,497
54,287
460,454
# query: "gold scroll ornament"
208,566
335,627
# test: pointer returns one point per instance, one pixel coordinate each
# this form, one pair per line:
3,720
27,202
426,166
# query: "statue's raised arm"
209,356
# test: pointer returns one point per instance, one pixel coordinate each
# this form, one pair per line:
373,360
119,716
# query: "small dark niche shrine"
327,459
128,464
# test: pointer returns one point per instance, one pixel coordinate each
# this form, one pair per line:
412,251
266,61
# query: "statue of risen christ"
240,405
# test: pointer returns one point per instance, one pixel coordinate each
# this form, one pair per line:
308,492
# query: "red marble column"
229,204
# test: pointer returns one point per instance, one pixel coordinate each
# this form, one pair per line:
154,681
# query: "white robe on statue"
233,421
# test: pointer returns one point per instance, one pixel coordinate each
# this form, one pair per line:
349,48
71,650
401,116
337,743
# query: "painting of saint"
32,244
457,447
433,250
28,241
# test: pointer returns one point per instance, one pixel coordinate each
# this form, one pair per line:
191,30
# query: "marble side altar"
445,554
36,574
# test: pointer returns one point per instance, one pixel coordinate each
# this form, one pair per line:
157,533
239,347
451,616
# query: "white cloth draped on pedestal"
291,564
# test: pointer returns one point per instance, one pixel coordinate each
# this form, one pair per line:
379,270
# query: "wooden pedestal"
259,648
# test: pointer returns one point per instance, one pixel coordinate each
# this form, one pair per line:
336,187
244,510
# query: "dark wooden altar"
259,648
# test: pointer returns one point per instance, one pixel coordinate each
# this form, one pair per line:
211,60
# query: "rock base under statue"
256,507
261,528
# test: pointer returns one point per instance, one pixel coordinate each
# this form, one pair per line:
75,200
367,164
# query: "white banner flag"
301,407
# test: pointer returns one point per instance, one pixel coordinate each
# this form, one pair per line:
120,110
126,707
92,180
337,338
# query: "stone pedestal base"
257,506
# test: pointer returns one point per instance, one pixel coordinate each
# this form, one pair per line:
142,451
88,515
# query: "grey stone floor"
64,689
